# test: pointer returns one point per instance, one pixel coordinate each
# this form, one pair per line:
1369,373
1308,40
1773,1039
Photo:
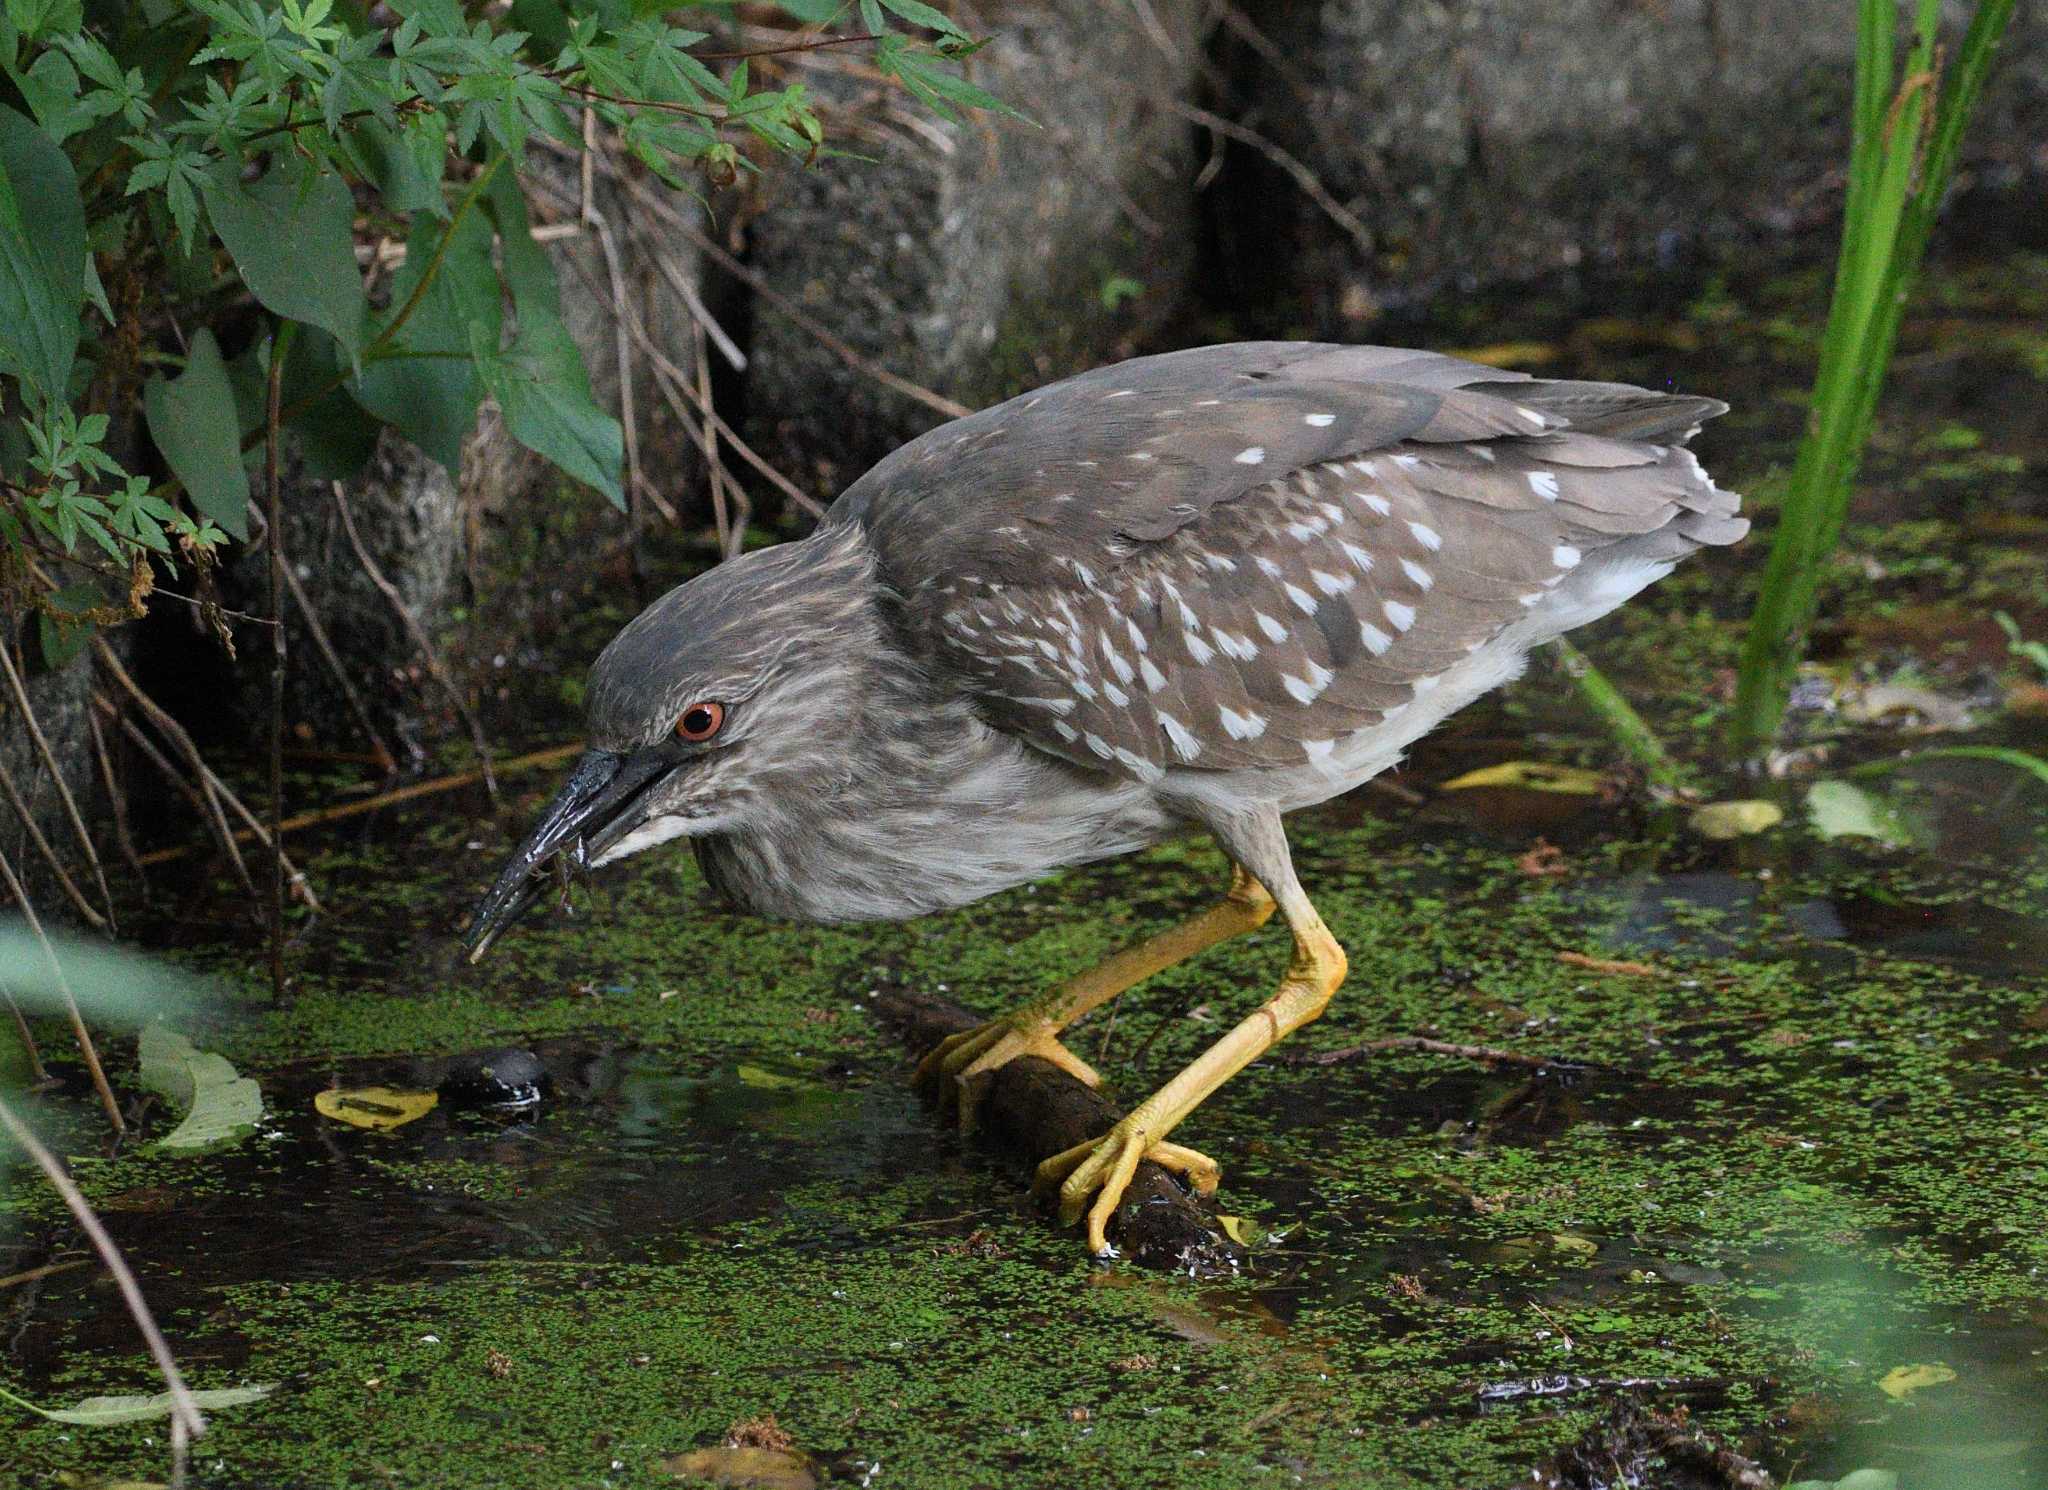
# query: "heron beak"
601,802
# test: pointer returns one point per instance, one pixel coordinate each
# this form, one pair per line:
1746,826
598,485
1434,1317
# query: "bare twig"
673,379
78,1029
421,640
35,733
387,762
209,812
1303,177
1610,965
622,353
171,730
732,525
280,348
516,766
117,799
185,1418
49,855
38,1073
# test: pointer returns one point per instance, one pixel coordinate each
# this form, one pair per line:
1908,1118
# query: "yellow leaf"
1726,820
1572,1242
1242,1230
380,1108
1537,776
1901,1382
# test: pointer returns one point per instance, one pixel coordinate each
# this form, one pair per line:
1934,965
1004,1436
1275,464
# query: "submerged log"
1033,1110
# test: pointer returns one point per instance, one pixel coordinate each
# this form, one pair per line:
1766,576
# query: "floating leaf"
224,1104
378,1108
1536,776
102,1412
1901,1382
1242,1230
758,1076
1839,809
745,1468
1724,820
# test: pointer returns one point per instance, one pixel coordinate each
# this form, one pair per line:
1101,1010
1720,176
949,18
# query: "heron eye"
700,722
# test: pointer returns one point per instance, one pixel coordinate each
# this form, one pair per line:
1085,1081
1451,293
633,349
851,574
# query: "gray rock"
1494,140
982,258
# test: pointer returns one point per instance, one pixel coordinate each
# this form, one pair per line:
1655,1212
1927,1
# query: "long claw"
1103,1167
958,1068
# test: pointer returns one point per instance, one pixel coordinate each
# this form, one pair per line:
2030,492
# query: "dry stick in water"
204,805
421,640
1491,1054
35,835
35,731
38,1073
186,1423
85,1045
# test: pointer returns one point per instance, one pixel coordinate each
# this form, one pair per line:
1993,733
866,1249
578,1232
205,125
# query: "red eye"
700,722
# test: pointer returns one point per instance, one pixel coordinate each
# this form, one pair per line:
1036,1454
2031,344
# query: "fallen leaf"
1901,1382
770,1081
745,1468
101,1412
1615,966
1839,809
1537,776
223,1104
379,1108
1242,1230
762,1432
1725,820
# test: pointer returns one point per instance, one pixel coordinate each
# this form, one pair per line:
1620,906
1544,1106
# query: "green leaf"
428,386
64,639
404,164
292,236
1840,809
923,15
529,273
334,439
543,391
192,419
223,1103
1538,776
42,257
104,1412
52,90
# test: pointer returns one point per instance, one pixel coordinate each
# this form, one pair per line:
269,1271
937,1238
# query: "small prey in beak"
603,800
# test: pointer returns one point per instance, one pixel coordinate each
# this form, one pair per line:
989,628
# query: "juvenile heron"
1194,590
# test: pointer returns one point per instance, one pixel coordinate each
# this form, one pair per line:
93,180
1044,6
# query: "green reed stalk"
1906,136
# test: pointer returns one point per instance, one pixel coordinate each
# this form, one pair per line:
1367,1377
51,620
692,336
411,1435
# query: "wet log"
1033,1110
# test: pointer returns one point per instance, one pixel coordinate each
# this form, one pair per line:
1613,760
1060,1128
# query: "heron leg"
962,1064
1102,1167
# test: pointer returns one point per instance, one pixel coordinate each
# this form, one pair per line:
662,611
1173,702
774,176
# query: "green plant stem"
2019,760
1886,223
1635,737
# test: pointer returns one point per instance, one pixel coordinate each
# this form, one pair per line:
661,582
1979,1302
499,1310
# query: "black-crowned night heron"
1201,589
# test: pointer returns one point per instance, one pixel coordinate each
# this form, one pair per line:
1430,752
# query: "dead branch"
1303,177
386,761
1035,1110
280,343
1491,1055
78,1029
42,845
424,642
35,732
117,799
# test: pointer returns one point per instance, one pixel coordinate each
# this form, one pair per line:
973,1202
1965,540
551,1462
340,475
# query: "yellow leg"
1103,1167
961,1064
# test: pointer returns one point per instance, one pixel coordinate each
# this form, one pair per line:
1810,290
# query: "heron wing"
1236,556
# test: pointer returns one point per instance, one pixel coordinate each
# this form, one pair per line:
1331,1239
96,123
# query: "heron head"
733,686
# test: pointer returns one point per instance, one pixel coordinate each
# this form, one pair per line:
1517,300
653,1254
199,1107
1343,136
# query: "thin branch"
78,1029
49,855
421,640
1307,180
280,349
35,732
184,1411
386,761
117,799
37,1072
540,758
1492,1055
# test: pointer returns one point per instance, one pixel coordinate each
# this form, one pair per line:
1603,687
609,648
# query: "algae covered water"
1787,1168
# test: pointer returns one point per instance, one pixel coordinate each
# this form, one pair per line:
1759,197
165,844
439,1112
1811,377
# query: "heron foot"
958,1068
1102,1167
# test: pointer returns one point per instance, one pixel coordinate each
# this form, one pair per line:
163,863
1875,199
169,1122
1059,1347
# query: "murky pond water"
1803,1154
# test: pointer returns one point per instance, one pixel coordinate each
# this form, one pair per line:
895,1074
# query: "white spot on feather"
1243,648
1307,690
1116,695
1303,601
1422,577
1403,616
1375,501
1154,678
1544,484
1332,584
1319,421
1564,556
1251,455
1427,536
1357,556
1376,641
1185,745
1097,744
1241,726
1273,629
1057,705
